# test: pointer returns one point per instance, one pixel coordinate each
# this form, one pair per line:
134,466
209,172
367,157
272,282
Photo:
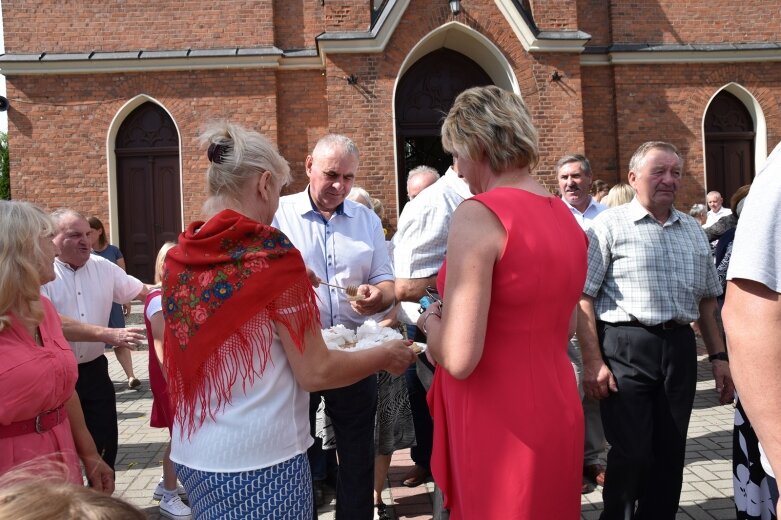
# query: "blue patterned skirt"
282,491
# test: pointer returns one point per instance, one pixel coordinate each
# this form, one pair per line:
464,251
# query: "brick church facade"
107,99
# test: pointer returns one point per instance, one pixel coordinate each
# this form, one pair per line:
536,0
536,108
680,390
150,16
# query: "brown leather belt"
41,423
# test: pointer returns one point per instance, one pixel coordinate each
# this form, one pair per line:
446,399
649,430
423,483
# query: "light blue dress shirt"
348,249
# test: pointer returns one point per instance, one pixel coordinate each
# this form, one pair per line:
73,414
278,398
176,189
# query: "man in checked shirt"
650,274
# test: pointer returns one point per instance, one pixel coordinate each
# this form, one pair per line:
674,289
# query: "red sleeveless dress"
508,439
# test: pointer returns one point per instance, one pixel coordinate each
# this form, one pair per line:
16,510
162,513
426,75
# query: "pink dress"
508,439
34,379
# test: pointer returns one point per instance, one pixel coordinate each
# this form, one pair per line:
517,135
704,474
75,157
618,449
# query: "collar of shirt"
637,212
594,208
305,206
66,265
458,184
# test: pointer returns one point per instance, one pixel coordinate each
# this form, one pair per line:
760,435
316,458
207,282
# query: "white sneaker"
160,491
174,508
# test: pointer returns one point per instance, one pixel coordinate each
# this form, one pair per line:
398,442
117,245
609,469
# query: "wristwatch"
721,356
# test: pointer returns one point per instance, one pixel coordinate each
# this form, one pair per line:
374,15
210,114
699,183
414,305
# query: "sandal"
382,511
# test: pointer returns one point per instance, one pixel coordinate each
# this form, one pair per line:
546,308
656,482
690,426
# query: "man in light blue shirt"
343,244
574,175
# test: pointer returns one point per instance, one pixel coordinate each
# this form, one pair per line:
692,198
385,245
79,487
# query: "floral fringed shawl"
223,274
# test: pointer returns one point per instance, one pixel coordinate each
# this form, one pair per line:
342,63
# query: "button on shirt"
86,295
584,219
639,269
348,249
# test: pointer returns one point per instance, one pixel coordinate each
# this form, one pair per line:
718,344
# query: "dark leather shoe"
417,476
595,473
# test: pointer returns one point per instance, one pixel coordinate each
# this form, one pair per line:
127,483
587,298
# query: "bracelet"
423,326
721,356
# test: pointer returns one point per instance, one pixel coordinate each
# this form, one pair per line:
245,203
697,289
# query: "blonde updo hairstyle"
21,260
235,155
495,122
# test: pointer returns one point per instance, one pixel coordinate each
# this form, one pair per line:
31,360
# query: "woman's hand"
432,312
99,474
400,356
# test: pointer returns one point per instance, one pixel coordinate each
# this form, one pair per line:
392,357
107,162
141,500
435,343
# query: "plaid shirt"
639,269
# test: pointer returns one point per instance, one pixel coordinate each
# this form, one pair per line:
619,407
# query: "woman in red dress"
508,424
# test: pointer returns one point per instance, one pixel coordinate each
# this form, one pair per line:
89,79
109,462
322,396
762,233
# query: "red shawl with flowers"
218,280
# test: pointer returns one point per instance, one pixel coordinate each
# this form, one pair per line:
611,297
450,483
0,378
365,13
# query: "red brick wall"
554,15
594,18
695,21
82,26
599,120
668,103
297,22
347,15
58,132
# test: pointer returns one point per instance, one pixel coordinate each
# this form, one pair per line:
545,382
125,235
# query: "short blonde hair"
21,260
39,490
160,260
235,155
494,122
621,193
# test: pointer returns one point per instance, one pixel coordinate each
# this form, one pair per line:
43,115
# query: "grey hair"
638,157
698,210
332,141
361,196
418,170
578,158
60,213
243,154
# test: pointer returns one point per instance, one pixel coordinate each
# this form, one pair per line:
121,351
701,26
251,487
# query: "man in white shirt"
752,313
717,210
342,243
574,175
84,290
419,248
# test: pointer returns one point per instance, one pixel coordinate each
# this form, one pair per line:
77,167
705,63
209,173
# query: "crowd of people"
560,347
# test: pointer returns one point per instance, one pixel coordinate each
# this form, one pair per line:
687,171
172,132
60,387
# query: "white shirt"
584,219
756,254
264,424
712,217
349,249
86,295
420,242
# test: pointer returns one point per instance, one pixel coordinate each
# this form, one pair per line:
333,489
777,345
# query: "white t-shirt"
86,295
756,254
264,424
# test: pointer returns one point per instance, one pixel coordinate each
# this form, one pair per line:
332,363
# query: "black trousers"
646,420
96,392
352,410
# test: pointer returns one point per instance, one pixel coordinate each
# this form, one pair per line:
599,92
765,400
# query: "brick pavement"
707,487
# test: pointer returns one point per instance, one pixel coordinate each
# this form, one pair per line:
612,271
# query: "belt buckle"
39,428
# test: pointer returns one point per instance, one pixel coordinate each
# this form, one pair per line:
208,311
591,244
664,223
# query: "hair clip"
216,152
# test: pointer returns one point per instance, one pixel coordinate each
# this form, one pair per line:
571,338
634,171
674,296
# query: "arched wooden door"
148,195
423,98
729,145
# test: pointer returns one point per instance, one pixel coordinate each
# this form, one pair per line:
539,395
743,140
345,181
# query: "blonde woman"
40,412
508,423
621,193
